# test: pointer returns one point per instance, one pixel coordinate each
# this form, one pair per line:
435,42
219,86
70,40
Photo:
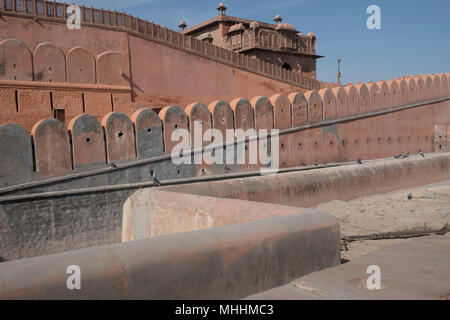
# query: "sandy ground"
429,207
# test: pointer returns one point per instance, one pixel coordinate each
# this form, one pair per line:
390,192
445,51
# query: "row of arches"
116,137
48,63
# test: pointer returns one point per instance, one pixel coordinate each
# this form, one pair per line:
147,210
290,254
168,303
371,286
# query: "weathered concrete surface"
80,66
38,227
308,188
413,269
226,262
152,212
27,227
89,214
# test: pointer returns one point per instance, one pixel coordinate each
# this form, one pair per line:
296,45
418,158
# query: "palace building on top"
280,44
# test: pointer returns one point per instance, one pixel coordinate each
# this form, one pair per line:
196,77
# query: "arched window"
286,66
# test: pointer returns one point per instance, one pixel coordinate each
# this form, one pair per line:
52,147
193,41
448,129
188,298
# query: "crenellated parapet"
366,121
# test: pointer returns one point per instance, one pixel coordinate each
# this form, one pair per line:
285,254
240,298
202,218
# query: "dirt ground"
428,208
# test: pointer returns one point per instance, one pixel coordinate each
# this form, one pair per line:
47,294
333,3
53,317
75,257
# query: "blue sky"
414,36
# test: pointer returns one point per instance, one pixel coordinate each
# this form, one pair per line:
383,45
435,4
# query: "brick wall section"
26,102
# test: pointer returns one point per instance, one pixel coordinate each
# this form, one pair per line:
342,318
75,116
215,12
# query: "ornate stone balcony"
284,40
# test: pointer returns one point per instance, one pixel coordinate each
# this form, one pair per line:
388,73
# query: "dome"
221,8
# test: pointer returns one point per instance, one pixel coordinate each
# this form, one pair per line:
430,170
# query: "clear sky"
414,36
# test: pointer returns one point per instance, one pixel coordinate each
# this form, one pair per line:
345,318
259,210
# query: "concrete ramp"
413,269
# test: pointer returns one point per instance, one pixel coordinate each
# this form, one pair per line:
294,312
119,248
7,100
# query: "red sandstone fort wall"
163,76
160,66
103,74
363,121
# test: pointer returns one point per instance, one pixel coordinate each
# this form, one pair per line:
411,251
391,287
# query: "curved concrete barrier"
309,188
227,262
153,212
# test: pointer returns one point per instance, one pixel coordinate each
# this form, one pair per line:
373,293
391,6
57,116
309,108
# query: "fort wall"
160,66
81,134
64,186
313,130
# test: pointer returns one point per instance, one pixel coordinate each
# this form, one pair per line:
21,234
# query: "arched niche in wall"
16,61
49,63
80,66
112,70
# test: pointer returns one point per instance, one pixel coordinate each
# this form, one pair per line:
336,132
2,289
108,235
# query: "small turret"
278,19
182,25
221,8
